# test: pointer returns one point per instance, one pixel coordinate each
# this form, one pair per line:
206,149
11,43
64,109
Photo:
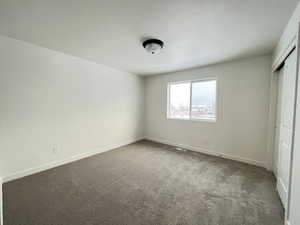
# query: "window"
195,100
179,100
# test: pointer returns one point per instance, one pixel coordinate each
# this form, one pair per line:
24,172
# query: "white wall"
52,100
242,102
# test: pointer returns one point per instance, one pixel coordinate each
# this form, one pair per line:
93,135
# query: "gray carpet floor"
145,183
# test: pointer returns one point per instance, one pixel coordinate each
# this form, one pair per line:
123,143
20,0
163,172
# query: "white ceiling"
195,32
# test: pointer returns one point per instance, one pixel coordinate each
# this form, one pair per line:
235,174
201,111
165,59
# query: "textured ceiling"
195,32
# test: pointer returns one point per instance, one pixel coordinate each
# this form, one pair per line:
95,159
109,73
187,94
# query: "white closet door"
294,209
278,120
286,126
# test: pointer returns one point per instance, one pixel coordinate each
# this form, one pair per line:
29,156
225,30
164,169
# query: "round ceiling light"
153,45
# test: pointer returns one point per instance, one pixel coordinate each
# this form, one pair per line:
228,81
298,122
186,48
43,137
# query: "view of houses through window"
192,100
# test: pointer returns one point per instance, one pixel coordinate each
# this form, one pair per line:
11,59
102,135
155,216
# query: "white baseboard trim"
50,165
210,152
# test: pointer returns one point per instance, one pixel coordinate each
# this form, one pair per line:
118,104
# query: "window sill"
197,120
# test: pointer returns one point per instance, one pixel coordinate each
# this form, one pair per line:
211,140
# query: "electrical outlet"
54,149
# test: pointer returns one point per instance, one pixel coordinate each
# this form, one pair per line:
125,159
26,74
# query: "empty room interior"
135,112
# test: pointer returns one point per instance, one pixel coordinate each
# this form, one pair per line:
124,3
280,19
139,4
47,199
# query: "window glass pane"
204,100
179,101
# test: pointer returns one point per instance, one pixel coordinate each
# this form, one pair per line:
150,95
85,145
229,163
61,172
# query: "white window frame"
191,92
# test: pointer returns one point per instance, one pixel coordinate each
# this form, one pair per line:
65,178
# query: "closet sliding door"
285,125
294,207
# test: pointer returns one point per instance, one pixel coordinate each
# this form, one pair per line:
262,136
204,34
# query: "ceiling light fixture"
153,45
